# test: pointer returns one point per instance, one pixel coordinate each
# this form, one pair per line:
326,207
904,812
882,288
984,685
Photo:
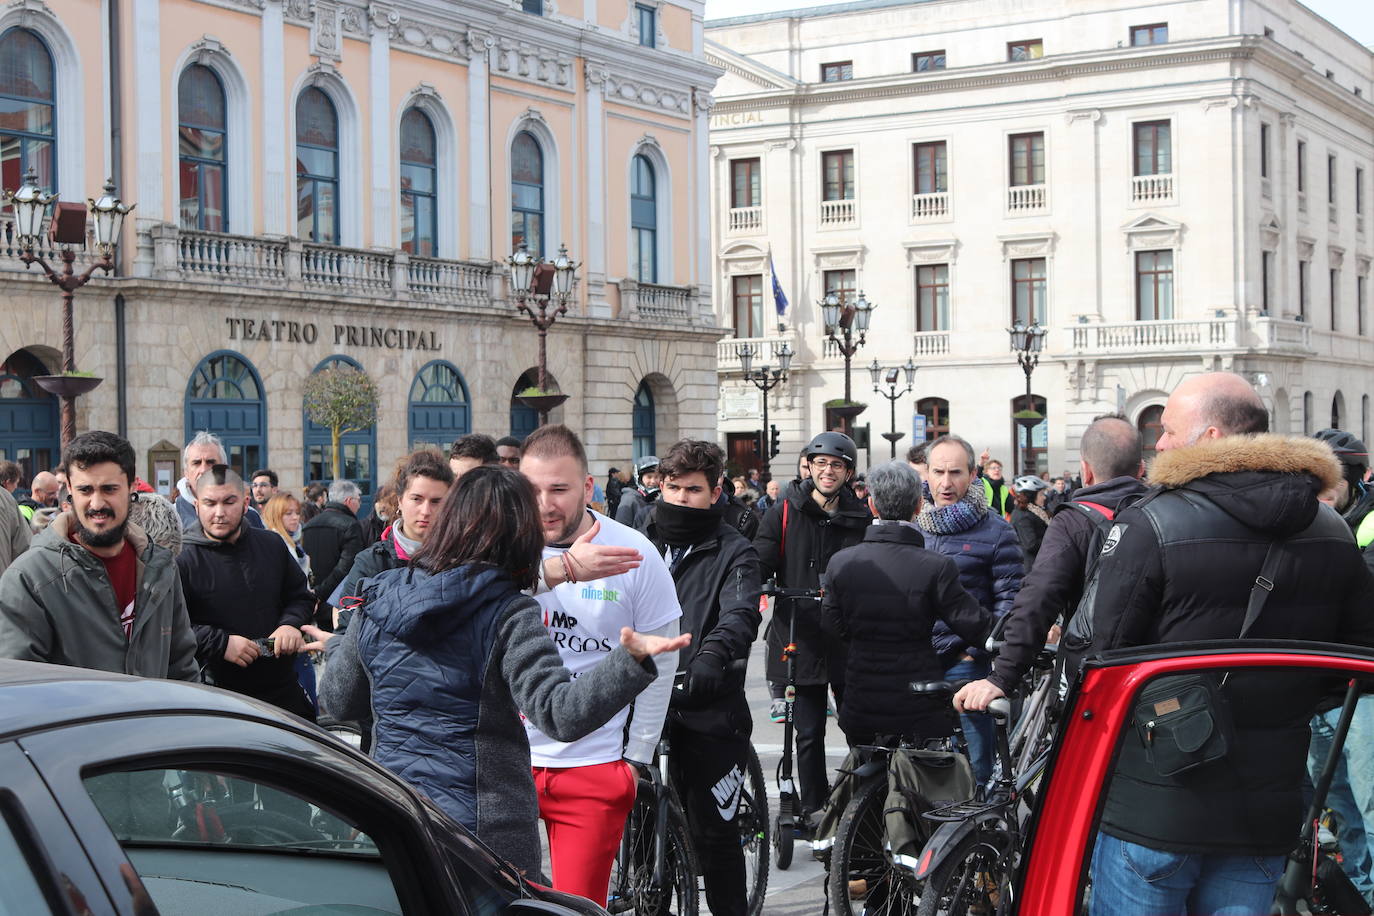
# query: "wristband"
567,569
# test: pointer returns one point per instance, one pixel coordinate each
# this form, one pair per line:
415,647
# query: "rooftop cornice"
1234,48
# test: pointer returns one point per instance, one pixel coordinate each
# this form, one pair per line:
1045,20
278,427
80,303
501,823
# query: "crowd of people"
514,638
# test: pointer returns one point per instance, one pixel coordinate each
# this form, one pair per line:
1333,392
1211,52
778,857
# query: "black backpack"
1078,634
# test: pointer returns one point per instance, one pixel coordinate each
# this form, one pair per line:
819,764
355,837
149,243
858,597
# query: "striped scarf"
953,519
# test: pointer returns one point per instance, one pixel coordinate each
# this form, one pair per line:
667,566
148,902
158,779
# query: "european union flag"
779,297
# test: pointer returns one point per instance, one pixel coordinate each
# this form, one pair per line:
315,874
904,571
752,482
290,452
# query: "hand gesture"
984,458
976,695
286,640
598,561
642,645
317,638
241,650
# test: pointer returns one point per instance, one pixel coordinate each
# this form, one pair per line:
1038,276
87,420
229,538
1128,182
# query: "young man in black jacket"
796,540
1112,467
242,585
716,573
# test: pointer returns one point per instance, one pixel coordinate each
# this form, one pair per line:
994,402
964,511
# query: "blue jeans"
1352,789
1134,880
978,730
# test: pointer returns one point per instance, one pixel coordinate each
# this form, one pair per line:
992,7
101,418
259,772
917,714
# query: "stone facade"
1238,88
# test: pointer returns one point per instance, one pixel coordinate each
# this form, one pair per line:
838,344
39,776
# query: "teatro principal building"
331,181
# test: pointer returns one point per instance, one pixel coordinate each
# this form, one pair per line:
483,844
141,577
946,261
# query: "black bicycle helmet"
1349,450
836,445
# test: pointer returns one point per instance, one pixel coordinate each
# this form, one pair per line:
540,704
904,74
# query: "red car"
1053,878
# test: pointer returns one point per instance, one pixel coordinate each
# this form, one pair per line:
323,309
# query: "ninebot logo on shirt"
590,593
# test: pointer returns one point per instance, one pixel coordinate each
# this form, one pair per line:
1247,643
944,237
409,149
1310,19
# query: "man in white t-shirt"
597,576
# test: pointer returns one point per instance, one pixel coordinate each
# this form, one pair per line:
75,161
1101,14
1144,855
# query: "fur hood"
1263,452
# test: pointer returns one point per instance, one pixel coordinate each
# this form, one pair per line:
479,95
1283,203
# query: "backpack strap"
782,544
1091,507
1263,587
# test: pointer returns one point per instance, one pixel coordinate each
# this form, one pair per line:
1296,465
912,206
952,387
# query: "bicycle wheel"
863,879
754,830
970,881
633,888
784,834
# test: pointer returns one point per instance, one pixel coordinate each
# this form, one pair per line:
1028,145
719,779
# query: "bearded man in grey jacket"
94,591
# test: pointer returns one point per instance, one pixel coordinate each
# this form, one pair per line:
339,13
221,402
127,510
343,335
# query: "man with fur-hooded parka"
1179,566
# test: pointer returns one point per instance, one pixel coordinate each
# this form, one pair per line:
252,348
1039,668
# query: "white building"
1168,187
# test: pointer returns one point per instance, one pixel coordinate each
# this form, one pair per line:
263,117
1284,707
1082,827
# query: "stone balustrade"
765,351
654,302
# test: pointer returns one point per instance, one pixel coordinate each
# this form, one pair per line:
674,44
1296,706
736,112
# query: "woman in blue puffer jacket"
455,652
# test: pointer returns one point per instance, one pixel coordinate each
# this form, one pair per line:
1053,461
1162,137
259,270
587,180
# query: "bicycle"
656,870
785,824
866,874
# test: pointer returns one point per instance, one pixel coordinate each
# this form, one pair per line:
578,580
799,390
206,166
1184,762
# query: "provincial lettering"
338,333
375,337
392,337
309,332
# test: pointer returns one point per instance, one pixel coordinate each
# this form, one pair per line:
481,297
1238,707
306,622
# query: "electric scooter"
785,824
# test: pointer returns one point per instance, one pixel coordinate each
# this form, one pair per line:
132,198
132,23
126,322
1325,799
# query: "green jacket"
57,606
1002,504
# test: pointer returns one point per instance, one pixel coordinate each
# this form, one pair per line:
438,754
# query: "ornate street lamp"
1026,343
530,282
67,228
765,380
842,320
889,377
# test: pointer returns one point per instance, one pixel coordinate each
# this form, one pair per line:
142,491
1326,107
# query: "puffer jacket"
56,605
453,660
883,598
1179,566
990,569
1056,584
812,538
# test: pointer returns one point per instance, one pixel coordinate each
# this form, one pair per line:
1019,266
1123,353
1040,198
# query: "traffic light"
758,443
773,444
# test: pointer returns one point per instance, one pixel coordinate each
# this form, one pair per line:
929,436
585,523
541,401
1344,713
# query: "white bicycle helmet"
1029,484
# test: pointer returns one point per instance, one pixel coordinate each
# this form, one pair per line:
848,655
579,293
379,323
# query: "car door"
1113,710
43,868
197,814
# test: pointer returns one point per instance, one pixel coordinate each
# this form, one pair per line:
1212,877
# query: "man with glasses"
814,520
263,487
508,452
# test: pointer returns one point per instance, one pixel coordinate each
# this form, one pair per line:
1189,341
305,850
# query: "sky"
1354,17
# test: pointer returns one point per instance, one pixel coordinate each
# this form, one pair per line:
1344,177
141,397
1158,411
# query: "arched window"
1338,420
419,171
1032,444
644,425
317,167
202,138
357,450
643,222
439,411
28,417
1307,418
527,193
27,110
224,396
1151,426
936,412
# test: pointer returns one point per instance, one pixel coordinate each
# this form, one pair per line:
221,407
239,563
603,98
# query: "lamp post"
765,380
842,319
889,377
1026,343
67,228
530,283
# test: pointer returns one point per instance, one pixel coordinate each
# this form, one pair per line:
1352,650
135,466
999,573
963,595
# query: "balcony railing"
746,219
48,251
1027,198
930,206
652,302
1283,334
765,351
1155,335
931,343
837,212
278,263
1152,189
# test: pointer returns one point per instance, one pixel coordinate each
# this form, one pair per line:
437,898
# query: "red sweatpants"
584,811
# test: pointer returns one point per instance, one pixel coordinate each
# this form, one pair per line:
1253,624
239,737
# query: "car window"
203,841
21,893
1218,766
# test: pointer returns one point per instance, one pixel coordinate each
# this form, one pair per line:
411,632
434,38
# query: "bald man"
1181,565
42,494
